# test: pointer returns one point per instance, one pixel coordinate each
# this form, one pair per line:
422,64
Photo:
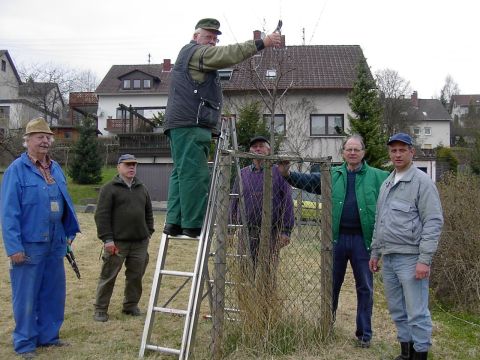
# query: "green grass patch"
459,332
79,192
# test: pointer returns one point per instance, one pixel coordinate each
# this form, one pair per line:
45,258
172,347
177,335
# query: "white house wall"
440,134
108,105
298,140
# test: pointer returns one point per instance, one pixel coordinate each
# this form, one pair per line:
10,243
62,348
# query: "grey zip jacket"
409,217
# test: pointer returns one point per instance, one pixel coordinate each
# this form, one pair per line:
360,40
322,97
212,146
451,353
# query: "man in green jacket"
124,219
193,112
355,188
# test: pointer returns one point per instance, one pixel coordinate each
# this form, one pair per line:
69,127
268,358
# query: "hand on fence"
283,240
284,168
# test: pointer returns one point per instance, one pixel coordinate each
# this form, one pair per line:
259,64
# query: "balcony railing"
144,144
121,126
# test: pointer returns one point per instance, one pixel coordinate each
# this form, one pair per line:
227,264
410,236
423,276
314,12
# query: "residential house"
80,106
143,87
430,123
131,103
460,105
21,101
311,85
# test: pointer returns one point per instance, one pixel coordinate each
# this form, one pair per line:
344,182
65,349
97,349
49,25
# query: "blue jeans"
352,248
407,299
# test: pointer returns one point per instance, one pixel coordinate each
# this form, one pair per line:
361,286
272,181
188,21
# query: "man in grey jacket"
408,225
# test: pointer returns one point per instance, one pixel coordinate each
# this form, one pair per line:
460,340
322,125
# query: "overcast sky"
423,40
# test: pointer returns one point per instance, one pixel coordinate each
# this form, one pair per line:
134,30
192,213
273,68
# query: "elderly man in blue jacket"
38,220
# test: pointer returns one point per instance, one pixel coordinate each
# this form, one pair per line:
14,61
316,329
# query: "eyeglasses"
352,150
211,38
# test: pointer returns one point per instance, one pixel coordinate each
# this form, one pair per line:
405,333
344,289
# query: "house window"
67,134
136,84
225,74
4,65
279,123
427,131
121,114
126,84
271,74
416,131
326,124
146,84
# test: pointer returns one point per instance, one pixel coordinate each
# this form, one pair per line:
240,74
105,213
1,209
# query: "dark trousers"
352,248
135,256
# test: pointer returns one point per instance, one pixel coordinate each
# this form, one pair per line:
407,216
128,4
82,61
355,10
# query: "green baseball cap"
209,24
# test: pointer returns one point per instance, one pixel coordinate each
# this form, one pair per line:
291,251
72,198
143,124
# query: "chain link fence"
271,258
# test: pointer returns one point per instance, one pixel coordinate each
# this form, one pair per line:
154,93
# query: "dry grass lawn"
119,338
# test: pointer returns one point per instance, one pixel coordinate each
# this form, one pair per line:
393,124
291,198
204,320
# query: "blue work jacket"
25,205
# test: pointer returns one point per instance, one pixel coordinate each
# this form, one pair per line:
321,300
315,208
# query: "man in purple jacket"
252,194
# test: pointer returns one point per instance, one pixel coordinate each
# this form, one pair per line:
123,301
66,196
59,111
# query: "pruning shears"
279,27
71,259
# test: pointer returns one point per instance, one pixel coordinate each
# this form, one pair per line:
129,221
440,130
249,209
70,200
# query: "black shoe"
172,229
133,312
193,232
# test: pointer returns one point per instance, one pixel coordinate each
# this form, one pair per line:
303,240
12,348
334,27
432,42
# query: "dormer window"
225,74
147,84
271,74
126,84
136,84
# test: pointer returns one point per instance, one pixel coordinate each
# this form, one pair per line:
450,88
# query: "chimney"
414,98
167,65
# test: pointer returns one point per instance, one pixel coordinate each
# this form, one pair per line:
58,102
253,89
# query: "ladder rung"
234,226
177,273
163,349
170,310
183,237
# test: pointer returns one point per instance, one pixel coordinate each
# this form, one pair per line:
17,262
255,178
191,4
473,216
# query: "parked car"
310,207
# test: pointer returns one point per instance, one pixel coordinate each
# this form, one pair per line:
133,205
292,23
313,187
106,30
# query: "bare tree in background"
450,88
47,86
393,93
298,114
272,82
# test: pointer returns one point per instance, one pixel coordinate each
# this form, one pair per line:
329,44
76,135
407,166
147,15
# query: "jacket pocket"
208,113
30,194
401,221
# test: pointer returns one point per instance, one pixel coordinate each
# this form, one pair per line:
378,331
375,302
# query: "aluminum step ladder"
199,274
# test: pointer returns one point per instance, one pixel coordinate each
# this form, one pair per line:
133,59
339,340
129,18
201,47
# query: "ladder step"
163,349
177,273
183,237
170,310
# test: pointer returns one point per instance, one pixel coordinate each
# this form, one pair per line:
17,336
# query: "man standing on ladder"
193,111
